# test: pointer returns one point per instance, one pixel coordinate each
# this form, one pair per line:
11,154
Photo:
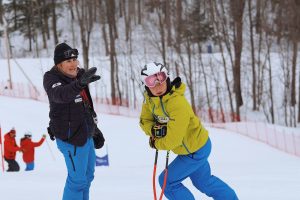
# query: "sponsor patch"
78,100
56,84
162,119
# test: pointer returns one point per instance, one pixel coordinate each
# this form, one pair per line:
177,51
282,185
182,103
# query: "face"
69,67
159,89
12,134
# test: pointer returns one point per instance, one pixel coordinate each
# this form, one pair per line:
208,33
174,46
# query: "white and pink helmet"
154,72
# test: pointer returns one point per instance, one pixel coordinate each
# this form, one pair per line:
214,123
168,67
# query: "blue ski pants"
196,167
80,162
29,166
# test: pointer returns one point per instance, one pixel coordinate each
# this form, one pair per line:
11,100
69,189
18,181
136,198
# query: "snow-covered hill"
253,169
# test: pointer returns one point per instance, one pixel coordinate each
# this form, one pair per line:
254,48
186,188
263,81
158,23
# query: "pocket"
72,161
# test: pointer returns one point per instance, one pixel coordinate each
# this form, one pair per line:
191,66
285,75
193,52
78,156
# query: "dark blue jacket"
71,120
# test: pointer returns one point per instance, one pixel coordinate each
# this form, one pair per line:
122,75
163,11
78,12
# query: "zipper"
75,148
72,161
69,118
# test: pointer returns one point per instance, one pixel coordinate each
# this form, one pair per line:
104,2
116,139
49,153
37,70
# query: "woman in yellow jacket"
169,120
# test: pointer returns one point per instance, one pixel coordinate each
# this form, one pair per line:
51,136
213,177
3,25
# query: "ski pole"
154,174
165,176
50,149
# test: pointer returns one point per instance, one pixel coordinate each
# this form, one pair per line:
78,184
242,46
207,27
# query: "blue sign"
102,161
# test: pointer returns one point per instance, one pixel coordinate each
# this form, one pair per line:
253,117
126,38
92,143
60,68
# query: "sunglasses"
160,77
71,53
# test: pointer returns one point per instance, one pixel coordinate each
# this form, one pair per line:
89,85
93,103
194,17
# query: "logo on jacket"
78,99
56,84
162,119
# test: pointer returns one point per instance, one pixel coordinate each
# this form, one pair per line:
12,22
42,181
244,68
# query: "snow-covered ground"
253,169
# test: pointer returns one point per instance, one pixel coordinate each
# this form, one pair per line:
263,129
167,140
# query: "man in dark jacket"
72,119
10,149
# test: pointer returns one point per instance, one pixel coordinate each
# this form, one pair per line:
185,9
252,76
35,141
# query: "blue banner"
102,161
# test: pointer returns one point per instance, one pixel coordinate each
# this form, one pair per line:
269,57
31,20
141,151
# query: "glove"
98,139
52,137
159,130
152,142
44,135
88,77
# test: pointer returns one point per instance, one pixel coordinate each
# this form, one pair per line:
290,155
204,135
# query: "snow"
254,169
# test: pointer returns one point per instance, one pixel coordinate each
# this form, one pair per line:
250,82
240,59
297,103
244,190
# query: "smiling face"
159,89
69,67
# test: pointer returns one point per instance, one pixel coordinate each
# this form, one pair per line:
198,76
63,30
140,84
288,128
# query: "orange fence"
281,138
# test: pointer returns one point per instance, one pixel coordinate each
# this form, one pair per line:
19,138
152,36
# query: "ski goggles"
71,53
160,77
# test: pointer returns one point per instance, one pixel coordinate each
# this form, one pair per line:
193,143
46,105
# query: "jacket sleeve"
146,120
178,111
58,92
36,144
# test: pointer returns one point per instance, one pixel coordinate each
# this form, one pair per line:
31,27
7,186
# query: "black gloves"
159,130
98,139
88,77
52,137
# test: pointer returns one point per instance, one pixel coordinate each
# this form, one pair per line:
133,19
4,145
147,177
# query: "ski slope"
256,171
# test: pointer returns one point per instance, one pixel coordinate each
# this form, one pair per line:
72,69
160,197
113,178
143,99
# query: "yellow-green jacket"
185,133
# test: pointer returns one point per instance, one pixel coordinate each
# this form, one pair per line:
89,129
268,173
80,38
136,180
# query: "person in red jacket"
10,149
28,150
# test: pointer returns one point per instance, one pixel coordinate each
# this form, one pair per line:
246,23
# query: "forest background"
239,58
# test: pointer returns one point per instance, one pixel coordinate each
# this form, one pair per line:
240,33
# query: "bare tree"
272,110
54,22
294,27
299,99
46,14
102,11
251,26
110,4
1,12
167,8
288,27
237,11
41,11
206,89
85,16
261,21
139,12
216,19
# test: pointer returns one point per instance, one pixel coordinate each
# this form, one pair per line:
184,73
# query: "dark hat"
64,52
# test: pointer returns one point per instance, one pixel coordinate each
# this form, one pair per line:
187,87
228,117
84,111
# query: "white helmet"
153,68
